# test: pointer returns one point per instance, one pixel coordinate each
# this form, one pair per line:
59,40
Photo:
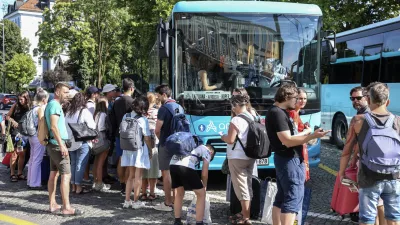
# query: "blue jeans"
79,160
389,191
290,178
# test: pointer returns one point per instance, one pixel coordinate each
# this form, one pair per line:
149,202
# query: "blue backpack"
179,122
181,144
381,147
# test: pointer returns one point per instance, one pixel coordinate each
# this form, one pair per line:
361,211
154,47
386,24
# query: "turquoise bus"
366,54
238,44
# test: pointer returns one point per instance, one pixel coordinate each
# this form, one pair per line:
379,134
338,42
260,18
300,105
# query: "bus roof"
246,7
369,27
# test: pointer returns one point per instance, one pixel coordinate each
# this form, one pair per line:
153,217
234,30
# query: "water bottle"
20,147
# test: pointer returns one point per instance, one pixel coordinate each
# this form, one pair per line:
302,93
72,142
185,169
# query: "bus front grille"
218,144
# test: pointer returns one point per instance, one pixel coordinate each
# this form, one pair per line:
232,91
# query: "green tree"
59,74
90,30
14,43
21,70
342,15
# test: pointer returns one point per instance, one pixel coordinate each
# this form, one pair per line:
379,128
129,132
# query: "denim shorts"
290,178
389,191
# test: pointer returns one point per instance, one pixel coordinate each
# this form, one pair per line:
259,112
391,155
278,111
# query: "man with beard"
58,152
358,100
289,165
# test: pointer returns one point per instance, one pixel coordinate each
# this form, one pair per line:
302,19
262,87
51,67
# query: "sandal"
14,178
152,197
143,197
235,217
21,177
242,221
83,191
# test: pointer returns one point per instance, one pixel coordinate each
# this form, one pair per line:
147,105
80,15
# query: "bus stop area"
18,205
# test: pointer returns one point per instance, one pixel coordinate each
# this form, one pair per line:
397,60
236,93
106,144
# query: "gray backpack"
381,147
26,125
130,134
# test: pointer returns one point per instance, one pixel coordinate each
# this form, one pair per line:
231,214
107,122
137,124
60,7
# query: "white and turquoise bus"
366,54
240,44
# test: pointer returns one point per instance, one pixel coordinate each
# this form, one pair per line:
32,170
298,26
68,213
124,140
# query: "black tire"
1,106
339,131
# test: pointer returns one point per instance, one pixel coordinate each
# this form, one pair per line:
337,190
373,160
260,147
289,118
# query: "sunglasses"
358,98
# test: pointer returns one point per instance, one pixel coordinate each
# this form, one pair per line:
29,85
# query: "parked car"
7,100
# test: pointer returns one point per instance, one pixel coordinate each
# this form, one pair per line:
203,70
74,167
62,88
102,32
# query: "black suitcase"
255,207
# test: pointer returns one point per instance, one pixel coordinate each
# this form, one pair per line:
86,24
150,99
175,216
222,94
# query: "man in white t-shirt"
184,178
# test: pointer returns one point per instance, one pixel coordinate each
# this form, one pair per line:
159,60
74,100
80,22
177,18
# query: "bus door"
372,60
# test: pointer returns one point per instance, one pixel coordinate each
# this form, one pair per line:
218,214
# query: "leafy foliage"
59,74
21,70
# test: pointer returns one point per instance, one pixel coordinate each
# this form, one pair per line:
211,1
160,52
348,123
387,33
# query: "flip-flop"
77,212
14,178
55,211
84,191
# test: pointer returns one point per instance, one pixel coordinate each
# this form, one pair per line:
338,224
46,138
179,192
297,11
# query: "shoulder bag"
81,131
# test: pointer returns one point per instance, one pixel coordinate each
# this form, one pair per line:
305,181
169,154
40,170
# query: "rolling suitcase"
255,207
344,200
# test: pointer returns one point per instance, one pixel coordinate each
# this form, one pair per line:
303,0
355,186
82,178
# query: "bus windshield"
216,53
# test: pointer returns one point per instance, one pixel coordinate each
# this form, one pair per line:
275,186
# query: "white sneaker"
102,187
163,207
138,205
158,191
127,204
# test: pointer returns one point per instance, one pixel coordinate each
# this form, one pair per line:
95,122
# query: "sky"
4,3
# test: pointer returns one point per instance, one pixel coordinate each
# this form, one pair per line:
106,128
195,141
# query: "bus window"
372,64
391,57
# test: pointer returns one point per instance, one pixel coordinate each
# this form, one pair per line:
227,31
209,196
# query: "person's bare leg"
99,167
13,162
95,165
288,218
65,180
51,187
21,162
121,172
381,215
129,183
137,183
389,222
167,186
144,186
179,194
245,209
152,183
200,203
276,215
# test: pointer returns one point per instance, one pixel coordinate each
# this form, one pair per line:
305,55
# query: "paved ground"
106,208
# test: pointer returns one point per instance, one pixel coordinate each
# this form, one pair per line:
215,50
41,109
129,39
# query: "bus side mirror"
330,37
163,39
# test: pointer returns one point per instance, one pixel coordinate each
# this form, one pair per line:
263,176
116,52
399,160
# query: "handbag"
225,167
6,159
191,212
9,144
101,143
81,131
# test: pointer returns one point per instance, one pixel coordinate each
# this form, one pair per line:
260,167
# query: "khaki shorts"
241,171
57,161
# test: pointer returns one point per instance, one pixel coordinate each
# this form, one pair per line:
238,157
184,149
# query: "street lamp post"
4,62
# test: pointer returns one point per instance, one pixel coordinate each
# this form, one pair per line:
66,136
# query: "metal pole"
4,63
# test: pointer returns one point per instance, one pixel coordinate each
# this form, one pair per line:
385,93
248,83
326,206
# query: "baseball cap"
91,90
72,93
108,87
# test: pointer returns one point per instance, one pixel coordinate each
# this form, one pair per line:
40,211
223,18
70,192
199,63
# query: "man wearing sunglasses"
359,100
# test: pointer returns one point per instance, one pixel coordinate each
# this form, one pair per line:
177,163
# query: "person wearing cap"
109,92
92,93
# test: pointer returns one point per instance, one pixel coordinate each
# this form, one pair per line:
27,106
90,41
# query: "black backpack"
258,145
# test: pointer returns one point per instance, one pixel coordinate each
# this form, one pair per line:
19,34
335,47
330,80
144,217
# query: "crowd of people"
119,119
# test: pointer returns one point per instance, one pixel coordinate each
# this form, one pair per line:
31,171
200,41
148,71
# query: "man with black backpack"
290,168
163,130
377,134
120,107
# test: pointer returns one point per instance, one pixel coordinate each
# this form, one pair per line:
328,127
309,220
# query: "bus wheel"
339,131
